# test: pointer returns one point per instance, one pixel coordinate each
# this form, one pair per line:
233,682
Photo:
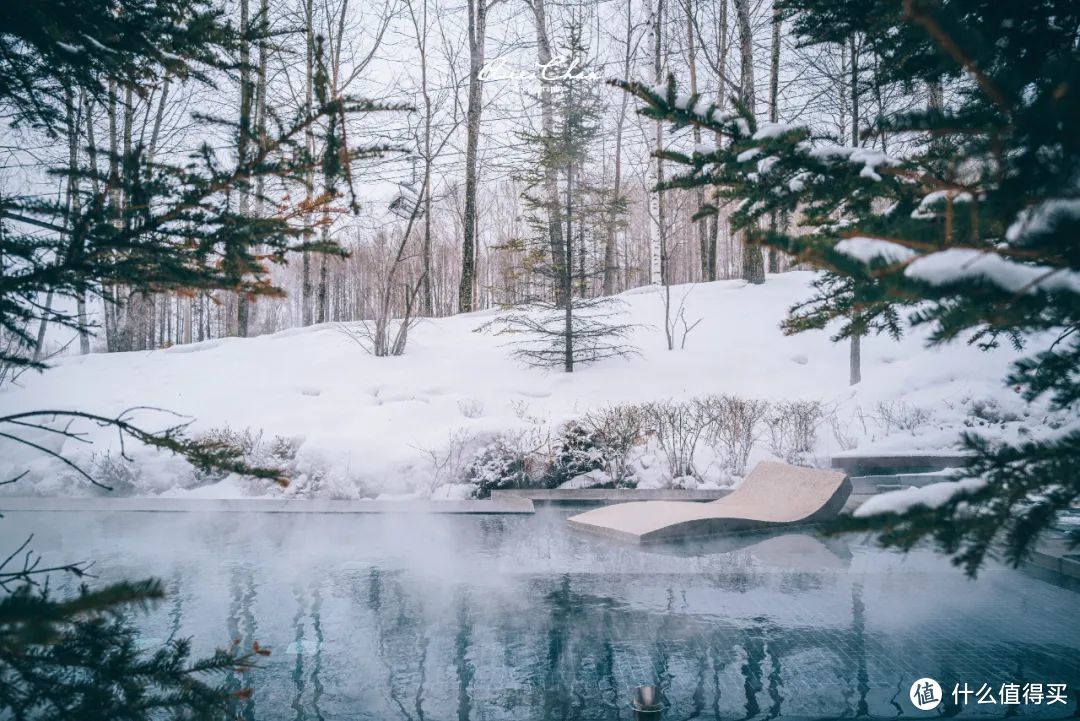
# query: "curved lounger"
774,494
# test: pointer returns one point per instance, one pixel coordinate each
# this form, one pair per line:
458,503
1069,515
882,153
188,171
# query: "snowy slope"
366,424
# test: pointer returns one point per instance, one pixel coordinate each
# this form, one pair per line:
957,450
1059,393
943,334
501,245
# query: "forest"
467,202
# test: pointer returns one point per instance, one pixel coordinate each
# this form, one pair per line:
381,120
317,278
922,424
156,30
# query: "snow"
868,249
1043,218
363,426
926,205
748,155
957,264
933,495
773,130
720,116
869,158
701,107
766,164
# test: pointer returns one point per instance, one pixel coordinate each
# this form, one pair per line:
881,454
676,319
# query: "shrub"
574,451
510,460
615,431
847,433
734,424
118,473
898,415
678,428
793,428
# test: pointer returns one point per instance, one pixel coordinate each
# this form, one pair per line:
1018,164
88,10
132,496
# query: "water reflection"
513,619
573,646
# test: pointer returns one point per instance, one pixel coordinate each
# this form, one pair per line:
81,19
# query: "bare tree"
477,32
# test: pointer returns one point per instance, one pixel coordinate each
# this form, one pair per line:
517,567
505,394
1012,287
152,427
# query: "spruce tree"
973,234
564,322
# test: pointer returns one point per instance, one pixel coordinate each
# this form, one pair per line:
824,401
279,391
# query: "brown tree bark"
477,29
753,265
774,115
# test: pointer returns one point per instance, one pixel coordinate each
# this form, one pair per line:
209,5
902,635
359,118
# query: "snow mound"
360,425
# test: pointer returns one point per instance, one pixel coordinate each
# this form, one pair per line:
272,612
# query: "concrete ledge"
262,505
1055,556
601,496
855,465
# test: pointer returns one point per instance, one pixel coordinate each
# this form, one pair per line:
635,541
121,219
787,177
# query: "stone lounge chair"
774,494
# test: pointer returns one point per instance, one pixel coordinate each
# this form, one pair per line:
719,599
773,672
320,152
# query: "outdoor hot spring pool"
517,617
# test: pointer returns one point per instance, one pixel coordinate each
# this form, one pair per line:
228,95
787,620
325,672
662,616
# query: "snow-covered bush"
793,427
900,416
574,452
733,425
678,427
510,460
988,412
251,447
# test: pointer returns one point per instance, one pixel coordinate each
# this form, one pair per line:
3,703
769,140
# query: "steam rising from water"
515,617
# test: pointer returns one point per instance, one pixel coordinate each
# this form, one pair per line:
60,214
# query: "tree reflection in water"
504,619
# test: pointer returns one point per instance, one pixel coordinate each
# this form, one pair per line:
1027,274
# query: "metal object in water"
646,703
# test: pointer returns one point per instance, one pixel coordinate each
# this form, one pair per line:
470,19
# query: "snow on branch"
934,495
955,265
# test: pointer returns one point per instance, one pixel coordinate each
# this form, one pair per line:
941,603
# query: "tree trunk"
134,333
753,265
658,242
477,12
716,221
855,374
75,205
39,342
551,179
112,306
305,284
245,137
324,279
611,254
246,303
702,225
426,301
855,359
567,279
774,115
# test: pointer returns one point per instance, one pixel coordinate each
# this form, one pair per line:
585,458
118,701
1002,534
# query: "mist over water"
516,617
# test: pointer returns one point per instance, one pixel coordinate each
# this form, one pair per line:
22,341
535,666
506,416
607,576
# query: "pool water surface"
417,617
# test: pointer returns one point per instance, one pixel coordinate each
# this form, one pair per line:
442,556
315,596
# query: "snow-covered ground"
362,425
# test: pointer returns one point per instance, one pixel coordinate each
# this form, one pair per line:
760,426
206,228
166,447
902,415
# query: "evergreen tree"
80,658
973,234
148,225
143,223
565,324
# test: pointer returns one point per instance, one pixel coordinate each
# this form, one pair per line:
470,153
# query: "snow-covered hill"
362,424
